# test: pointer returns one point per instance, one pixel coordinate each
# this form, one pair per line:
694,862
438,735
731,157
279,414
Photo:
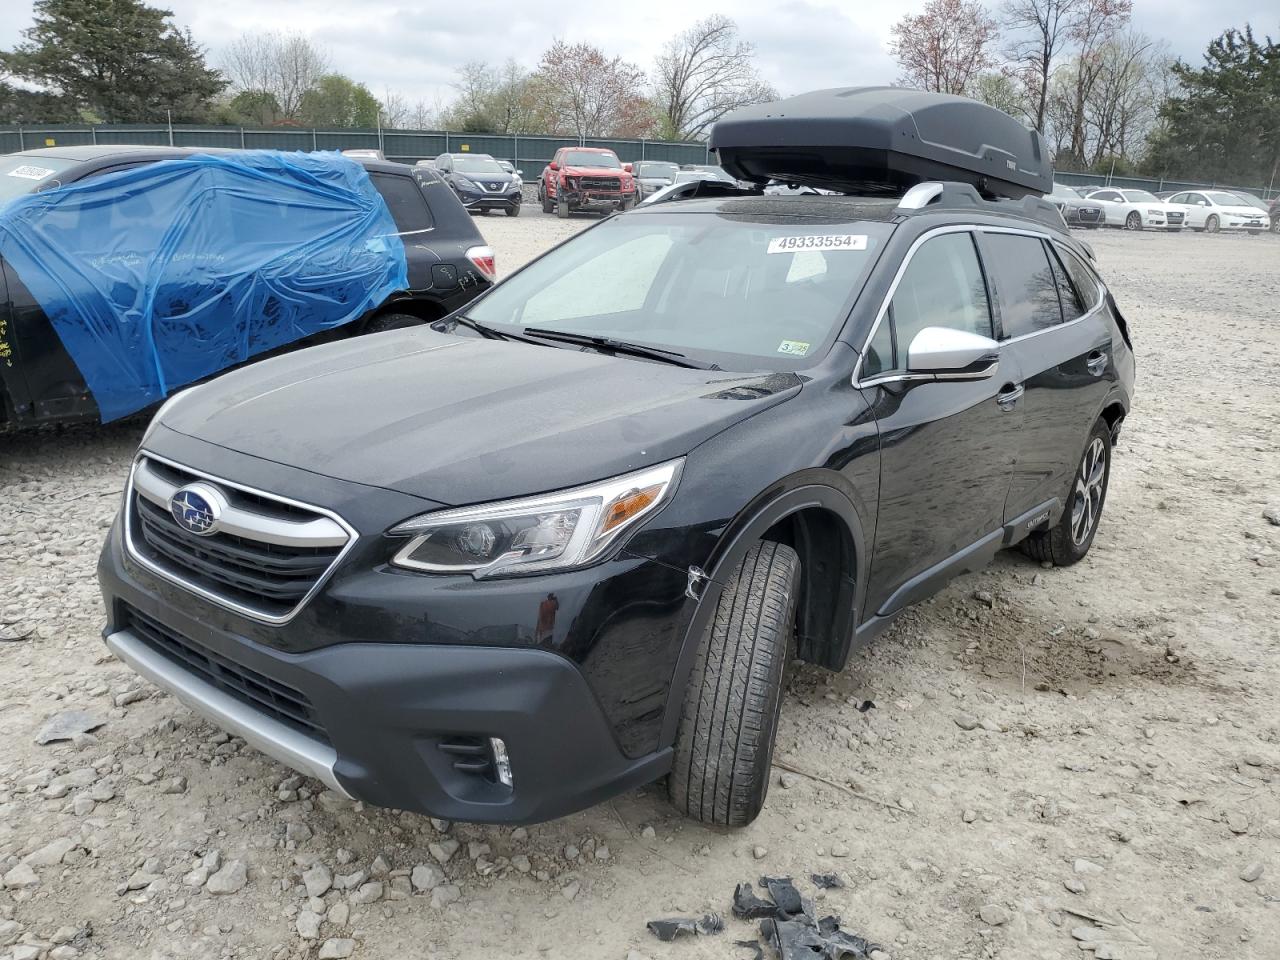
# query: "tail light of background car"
482,257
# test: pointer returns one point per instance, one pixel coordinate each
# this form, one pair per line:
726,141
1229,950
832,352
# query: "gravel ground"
1056,759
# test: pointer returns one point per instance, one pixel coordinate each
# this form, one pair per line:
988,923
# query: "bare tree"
946,46
1096,23
702,74
394,110
591,95
285,66
1041,28
423,116
1122,106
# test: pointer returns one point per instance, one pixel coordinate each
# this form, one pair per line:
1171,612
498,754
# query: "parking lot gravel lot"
1056,759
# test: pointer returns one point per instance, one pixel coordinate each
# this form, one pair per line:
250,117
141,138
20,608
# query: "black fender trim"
742,533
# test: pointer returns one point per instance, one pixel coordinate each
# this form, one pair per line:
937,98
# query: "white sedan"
1214,210
1138,210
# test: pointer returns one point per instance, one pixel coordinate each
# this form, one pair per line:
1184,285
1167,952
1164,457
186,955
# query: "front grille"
612,184
1089,213
265,578
1173,216
277,700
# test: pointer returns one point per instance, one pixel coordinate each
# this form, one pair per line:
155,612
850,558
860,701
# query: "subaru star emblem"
196,509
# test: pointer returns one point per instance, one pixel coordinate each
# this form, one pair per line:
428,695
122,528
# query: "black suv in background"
568,541
448,265
481,183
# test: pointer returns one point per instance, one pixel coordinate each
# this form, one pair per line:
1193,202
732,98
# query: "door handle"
1096,362
1009,395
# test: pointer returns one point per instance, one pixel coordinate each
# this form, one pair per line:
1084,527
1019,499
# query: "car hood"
460,420
1240,211
592,171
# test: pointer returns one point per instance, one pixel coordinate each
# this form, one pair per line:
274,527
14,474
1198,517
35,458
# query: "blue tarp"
160,275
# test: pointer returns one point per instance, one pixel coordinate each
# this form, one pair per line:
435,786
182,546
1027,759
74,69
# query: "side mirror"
627,167
553,165
953,354
519,173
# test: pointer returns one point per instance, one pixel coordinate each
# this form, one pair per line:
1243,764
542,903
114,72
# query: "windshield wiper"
486,331
611,345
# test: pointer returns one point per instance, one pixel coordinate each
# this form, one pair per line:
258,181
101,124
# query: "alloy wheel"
1211,224
1086,505
1133,221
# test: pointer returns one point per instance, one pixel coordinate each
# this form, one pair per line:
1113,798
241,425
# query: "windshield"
744,294
1139,196
653,169
582,158
717,172
1224,199
482,165
1250,200
19,174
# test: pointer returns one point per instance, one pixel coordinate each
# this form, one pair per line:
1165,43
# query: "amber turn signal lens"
628,505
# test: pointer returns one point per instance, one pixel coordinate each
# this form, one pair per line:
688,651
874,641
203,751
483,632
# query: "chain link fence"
406,146
529,153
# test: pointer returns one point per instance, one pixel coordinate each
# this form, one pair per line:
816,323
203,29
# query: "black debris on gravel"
751,945
827,881
806,939
667,930
747,906
784,894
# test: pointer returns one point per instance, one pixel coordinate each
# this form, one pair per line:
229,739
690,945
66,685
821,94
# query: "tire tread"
725,743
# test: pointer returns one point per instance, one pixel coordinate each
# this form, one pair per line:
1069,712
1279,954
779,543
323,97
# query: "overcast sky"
415,48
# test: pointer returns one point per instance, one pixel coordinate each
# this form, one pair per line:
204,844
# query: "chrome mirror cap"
953,354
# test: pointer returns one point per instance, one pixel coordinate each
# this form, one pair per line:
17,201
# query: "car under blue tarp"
164,274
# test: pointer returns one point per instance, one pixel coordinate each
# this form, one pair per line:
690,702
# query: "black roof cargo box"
881,141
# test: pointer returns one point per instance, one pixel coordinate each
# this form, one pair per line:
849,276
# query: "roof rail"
950,195
919,198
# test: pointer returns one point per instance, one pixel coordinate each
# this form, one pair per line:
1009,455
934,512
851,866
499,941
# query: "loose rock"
230,879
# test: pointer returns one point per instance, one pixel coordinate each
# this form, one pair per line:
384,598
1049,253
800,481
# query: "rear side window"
405,201
1082,279
1072,306
1025,283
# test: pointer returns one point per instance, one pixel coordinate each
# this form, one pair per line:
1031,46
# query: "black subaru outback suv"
567,542
448,265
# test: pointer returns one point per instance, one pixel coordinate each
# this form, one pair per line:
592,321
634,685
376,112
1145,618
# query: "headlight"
1155,213
464,183
557,531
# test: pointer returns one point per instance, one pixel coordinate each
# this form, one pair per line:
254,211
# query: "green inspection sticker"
794,348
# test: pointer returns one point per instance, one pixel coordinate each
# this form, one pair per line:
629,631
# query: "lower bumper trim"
273,738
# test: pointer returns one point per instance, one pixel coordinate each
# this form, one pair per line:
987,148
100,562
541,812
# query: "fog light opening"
501,762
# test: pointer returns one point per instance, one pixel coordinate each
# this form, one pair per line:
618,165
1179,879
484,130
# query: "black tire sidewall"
713,741
1066,547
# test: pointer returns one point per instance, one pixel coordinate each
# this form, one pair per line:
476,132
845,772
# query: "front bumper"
491,201
592,200
381,721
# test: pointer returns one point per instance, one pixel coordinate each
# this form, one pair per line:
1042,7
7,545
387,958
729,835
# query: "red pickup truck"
585,178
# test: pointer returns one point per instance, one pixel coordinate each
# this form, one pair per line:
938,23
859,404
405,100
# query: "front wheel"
562,208
1212,225
724,747
544,200
514,210
1275,225
1133,221
1070,538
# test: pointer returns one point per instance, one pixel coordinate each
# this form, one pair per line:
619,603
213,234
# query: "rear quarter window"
1082,278
405,201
